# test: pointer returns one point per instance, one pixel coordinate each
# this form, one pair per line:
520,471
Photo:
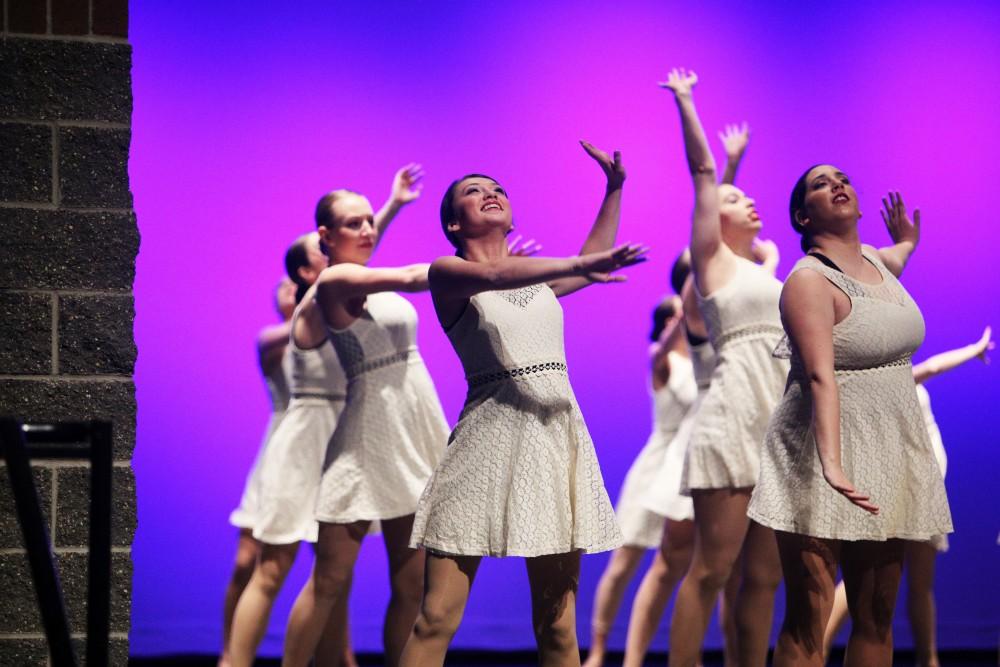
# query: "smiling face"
352,235
738,214
477,206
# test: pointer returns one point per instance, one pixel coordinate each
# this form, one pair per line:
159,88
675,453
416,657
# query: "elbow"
704,170
821,381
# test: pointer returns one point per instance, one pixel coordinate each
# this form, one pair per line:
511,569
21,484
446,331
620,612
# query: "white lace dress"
392,431
641,527
290,468
744,326
939,542
520,476
663,495
245,516
885,448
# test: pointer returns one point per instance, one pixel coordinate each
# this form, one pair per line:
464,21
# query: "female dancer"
520,477
642,528
919,557
272,343
390,436
739,302
290,469
849,413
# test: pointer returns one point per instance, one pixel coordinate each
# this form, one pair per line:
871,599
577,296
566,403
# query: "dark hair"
663,312
448,209
296,257
680,270
796,204
324,207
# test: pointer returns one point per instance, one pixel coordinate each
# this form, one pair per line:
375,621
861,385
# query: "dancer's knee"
329,583
558,636
437,620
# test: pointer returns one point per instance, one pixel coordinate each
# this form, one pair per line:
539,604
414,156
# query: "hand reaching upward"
897,221
612,167
680,81
518,248
734,140
406,184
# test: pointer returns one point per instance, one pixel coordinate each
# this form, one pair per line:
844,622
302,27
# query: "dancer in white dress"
849,412
290,468
674,538
520,477
390,436
919,557
738,300
272,342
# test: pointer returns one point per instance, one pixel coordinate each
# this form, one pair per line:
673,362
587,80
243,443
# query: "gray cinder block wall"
68,242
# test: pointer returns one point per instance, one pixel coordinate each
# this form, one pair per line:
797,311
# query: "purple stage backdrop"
246,113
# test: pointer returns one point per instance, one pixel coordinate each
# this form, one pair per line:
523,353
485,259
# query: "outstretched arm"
807,312
904,233
941,363
454,280
706,230
734,139
346,281
406,188
605,229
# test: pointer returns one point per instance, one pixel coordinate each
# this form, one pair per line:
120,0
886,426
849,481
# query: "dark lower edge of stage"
967,658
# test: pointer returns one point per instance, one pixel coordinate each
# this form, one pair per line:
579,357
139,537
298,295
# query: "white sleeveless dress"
245,516
290,469
939,542
520,476
392,431
663,495
885,447
744,326
640,527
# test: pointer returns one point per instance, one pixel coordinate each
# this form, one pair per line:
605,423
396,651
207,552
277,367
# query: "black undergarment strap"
694,340
826,260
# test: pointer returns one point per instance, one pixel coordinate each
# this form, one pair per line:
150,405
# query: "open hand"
518,248
612,167
836,478
735,139
681,81
984,345
406,184
600,265
765,252
901,229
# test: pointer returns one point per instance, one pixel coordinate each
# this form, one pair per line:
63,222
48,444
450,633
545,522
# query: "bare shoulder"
340,273
804,284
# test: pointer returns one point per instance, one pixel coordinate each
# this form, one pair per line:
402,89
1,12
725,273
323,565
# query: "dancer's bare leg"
838,618
406,581
872,571
720,517
755,600
920,560
447,582
334,648
254,608
247,549
608,598
810,568
670,564
329,584
554,581
727,616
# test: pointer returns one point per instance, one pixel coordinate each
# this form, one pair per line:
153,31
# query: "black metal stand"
91,441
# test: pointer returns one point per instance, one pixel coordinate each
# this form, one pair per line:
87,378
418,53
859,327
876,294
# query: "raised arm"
706,230
734,140
406,186
807,312
454,280
945,361
605,228
904,233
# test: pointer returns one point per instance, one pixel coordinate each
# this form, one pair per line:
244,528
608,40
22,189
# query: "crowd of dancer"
792,435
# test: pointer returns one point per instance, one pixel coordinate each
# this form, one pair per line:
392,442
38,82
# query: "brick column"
68,241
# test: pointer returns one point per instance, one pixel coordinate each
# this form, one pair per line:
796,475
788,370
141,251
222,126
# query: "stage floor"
528,658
